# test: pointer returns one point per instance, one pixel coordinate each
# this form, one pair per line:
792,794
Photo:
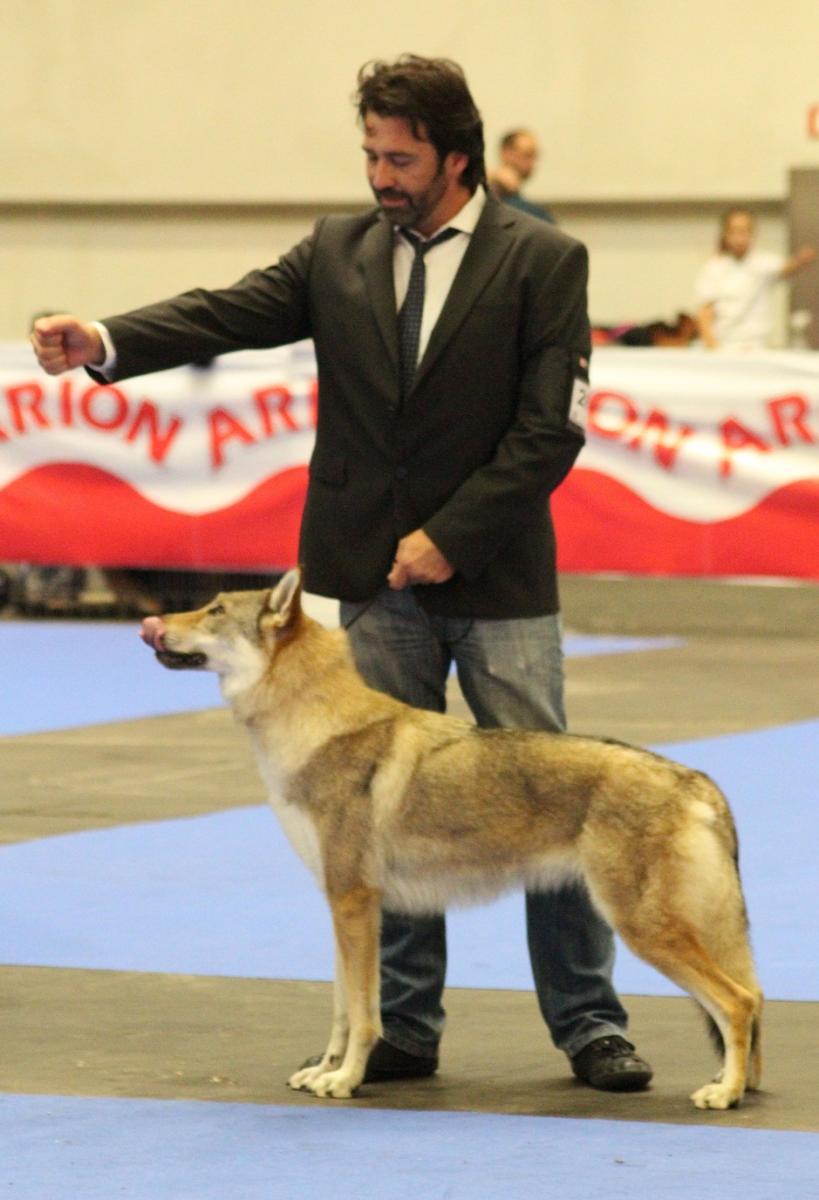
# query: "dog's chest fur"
298,823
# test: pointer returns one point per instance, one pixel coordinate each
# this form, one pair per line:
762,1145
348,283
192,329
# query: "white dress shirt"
441,264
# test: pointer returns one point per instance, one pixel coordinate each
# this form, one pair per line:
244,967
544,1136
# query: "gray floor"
749,658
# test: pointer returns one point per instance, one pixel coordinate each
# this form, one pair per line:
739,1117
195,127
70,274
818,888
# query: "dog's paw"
337,1085
302,1080
333,1084
716,1095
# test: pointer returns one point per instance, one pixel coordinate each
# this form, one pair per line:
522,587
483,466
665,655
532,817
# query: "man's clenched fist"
63,342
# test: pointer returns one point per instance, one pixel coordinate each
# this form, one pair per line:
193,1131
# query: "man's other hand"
418,560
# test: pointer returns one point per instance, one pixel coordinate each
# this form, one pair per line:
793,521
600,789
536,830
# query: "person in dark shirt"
518,153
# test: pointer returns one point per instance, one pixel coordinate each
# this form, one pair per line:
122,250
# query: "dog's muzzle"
152,632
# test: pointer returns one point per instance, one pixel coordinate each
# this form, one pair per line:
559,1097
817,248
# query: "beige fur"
392,805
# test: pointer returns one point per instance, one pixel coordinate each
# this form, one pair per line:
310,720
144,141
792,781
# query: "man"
448,414
518,152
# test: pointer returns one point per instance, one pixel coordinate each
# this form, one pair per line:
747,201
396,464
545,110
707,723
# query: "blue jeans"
511,674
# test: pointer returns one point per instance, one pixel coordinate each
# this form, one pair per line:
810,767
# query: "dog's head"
233,634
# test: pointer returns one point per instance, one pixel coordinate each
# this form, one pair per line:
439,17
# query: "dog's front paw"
323,1081
303,1079
716,1095
338,1085
300,1080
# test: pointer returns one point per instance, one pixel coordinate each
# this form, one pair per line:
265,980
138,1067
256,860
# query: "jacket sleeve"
266,308
545,437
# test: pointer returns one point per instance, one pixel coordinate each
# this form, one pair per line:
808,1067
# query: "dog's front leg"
357,923
332,1057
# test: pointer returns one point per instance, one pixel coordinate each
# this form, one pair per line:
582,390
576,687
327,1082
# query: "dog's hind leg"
357,923
754,1079
679,953
755,1061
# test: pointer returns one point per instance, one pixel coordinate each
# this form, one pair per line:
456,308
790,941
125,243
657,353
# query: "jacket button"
401,472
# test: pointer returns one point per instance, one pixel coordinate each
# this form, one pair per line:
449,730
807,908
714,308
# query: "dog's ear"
284,603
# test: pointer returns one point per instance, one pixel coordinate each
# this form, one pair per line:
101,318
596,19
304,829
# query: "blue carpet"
69,673
217,894
60,1148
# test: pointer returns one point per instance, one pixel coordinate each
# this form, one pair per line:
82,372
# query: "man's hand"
418,560
63,342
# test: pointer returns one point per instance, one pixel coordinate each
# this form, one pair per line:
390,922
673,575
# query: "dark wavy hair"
432,95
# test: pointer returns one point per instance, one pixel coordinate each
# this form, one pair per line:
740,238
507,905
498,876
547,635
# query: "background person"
447,417
518,154
734,287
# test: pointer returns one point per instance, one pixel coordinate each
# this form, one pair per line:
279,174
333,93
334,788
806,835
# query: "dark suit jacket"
477,447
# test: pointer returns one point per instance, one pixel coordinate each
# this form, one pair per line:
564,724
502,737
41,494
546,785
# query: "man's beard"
404,215
414,209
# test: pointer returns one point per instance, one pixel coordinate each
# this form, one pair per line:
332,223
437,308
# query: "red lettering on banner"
666,444
65,399
314,399
97,398
224,427
284,398
24,396
788,415
736,436
611,414
615,416
159,443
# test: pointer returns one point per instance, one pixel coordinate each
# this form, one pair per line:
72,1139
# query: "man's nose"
382,176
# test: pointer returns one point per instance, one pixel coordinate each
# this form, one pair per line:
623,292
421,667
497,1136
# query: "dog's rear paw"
716,1095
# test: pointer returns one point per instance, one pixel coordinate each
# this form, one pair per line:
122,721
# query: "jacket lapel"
488,246
376,264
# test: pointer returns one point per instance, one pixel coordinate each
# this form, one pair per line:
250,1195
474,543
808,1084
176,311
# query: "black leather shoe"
613,1065
387,1062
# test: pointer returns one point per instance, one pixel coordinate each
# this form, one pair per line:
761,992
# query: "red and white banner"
696,464
187,468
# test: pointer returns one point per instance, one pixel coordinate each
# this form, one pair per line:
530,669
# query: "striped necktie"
412,310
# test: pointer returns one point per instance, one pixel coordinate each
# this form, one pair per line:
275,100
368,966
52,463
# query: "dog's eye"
216,610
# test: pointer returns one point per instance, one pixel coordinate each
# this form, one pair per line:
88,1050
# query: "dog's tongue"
152,631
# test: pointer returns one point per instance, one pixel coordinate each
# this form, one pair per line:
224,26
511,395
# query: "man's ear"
284,603
455,163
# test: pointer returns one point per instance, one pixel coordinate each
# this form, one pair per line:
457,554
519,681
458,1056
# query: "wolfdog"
413,810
